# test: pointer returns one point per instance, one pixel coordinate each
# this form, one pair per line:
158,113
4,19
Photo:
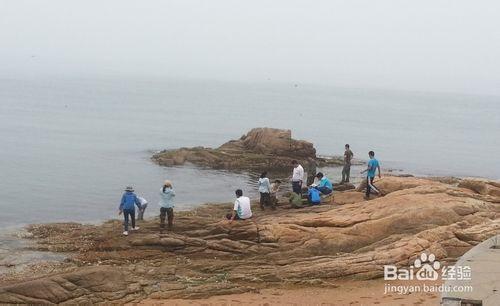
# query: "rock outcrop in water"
313,246
260,149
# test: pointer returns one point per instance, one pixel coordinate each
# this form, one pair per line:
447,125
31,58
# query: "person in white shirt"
241,209
297,177
265,191
144,205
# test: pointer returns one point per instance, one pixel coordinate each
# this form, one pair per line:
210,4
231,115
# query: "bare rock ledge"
206,256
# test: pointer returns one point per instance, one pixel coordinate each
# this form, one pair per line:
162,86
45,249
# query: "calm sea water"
69,146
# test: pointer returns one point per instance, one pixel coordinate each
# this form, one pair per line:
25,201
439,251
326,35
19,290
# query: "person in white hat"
167,194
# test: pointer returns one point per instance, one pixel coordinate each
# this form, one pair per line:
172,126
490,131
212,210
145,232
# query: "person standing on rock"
346,171
297,177
372,167
129,199
241,209
265,191
167,194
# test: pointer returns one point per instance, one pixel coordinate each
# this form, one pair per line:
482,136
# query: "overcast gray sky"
424,45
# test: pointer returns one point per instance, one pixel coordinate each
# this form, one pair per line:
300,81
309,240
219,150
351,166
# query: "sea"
70,145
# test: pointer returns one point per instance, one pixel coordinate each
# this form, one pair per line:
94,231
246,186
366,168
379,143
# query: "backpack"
314,195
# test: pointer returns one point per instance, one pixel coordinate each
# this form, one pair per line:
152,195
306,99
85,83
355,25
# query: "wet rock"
170,286
171,242
102,283
260,149
343,187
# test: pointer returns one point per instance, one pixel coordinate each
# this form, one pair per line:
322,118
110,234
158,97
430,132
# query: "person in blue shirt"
129,199
372,167
324,185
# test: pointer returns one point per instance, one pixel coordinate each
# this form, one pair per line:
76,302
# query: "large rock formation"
205,255
260,149
271,142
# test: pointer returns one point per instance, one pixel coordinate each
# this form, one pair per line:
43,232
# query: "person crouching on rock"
324,185
265,191
241,209
129,199
275,187
142,210
295,200
167,194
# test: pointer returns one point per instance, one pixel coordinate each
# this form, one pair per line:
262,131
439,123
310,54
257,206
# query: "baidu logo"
426,267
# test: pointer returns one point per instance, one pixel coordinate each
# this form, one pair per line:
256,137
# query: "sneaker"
125,233
135,228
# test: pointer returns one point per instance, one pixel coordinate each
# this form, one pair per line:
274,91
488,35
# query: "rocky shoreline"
313,247
261,149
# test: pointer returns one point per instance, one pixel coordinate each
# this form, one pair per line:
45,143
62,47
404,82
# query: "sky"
444,46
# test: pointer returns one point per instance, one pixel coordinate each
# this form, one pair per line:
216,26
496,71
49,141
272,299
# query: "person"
129,199
324,186
275,187
265,190
313,195
373,165
297,177
241,209
295,200
346,171
144,205
167,194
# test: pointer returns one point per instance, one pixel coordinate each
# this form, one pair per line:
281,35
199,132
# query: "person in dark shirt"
346,171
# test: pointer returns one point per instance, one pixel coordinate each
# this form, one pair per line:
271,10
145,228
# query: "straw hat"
129,188
168,183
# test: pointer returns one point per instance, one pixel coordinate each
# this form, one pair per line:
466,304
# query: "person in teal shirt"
324,185
371,169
